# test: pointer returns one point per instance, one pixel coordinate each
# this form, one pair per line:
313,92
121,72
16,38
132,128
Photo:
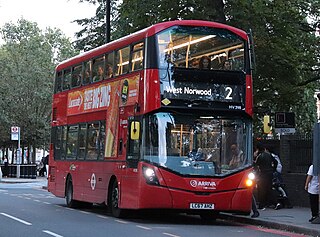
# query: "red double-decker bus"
159,119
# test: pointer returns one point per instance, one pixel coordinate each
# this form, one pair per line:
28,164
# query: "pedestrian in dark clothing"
5,167
43,165
265,165
254,208
46,163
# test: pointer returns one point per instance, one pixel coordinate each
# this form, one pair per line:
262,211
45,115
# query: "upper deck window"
109,65
58,82
200,47
98,69
87,73
66,79
76,76
122,60
137,57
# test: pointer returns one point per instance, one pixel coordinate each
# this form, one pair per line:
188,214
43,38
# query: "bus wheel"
69,195
114,201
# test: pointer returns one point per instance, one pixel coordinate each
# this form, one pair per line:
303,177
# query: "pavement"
295,219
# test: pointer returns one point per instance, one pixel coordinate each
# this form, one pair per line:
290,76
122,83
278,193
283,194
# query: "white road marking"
16,219
170,234
85,212
47,203
36,200
122,222
104,217
51,233
143,227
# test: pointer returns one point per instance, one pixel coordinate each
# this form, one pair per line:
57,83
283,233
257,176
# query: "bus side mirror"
135,130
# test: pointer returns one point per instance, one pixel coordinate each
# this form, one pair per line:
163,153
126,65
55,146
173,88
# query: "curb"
273,225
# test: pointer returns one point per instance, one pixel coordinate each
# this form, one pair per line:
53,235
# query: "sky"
47,13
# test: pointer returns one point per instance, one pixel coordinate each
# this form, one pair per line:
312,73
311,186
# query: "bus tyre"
69,195
114,201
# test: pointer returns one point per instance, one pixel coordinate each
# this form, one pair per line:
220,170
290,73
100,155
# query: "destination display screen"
214,92
204,91
215,96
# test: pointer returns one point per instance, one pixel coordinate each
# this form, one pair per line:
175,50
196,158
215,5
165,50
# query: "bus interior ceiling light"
191,42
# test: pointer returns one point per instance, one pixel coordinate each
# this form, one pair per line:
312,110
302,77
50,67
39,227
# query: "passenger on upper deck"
227,65
194,63
205,62
109,71
99,75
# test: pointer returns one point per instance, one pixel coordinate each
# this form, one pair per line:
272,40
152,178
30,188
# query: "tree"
93,33
287,55
27,61
286,44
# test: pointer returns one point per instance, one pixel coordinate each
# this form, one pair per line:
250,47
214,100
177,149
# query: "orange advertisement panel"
112,120
99,97
91,99
126,89
105,97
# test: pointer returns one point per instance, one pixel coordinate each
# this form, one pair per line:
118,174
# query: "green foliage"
27,61
286,46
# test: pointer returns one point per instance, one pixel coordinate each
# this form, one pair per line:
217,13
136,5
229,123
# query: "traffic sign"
285,130
15,133
284,120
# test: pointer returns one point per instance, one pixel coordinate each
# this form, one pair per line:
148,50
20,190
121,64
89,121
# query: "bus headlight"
251,176
250,179
150,175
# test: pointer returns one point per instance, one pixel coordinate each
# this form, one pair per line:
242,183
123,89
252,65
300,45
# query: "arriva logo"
204,184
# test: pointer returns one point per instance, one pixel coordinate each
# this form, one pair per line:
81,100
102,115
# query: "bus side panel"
95,180
154,197
150,91
242,200
130,188
137,194
56,179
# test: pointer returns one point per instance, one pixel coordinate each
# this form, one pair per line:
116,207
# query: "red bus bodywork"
92,180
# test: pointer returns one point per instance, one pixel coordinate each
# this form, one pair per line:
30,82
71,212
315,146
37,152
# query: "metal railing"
26,171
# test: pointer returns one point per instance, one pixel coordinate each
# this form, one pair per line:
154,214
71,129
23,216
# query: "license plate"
201,206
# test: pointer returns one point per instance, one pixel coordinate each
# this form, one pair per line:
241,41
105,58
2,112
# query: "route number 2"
229,93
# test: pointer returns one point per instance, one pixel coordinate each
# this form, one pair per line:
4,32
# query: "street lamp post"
316,137
108,10
317,97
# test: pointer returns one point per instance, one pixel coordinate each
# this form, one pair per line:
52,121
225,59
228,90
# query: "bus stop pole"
18,155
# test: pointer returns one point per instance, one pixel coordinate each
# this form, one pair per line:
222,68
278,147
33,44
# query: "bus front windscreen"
196,145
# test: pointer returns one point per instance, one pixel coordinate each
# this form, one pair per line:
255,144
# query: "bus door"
129,181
